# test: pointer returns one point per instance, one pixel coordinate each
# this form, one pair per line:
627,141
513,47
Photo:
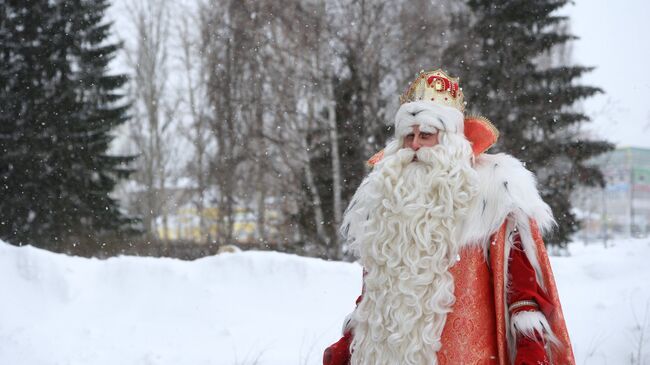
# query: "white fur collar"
506,189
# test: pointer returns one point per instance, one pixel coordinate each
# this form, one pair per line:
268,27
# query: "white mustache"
424,154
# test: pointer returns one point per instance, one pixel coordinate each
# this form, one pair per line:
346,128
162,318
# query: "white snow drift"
262,308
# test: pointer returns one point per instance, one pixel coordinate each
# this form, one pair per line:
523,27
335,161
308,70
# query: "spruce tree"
503,61
58,105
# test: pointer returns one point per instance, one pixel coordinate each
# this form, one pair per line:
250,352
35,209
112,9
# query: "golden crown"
435,86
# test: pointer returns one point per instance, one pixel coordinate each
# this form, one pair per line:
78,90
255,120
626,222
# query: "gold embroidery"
468,336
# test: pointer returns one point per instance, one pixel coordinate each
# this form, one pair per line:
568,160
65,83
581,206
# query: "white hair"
403,223
430,116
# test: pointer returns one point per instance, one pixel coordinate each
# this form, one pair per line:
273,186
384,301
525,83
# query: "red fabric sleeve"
523,285
530,352
522,281
339,352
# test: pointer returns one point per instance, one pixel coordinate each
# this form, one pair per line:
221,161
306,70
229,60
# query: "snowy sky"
614,39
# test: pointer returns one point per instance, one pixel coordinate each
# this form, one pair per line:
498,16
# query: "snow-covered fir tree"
503,63
58,105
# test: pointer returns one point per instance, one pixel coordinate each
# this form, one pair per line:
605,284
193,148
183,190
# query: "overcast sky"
614,37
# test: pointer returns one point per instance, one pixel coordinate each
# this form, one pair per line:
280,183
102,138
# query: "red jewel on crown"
440,83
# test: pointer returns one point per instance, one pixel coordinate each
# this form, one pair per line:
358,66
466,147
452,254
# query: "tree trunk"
336,171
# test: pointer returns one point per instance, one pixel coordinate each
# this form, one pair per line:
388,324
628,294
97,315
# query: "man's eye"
426,135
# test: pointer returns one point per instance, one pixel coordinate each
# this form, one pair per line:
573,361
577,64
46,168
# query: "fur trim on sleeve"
347,324
532,325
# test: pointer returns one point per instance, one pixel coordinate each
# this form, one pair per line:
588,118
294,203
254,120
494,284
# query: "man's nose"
416,143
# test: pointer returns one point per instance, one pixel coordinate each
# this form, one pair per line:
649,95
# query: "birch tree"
154,112
197,129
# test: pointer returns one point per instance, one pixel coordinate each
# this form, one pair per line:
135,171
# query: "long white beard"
403,222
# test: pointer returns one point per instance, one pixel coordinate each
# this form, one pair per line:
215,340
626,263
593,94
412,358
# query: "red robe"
475,331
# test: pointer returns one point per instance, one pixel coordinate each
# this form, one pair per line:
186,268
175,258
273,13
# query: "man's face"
417,139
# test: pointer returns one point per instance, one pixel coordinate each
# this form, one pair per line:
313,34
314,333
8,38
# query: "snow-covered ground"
262,308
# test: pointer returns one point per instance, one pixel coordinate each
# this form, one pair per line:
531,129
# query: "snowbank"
606,301
260,308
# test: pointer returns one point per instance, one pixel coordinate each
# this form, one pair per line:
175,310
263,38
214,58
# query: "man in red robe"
455,270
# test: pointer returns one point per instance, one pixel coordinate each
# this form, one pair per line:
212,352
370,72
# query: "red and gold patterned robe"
475,331
517,269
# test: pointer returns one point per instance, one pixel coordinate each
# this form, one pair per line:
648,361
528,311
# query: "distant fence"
176,249
107,247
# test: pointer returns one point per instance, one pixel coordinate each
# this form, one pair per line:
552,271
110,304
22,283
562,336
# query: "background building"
622,207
